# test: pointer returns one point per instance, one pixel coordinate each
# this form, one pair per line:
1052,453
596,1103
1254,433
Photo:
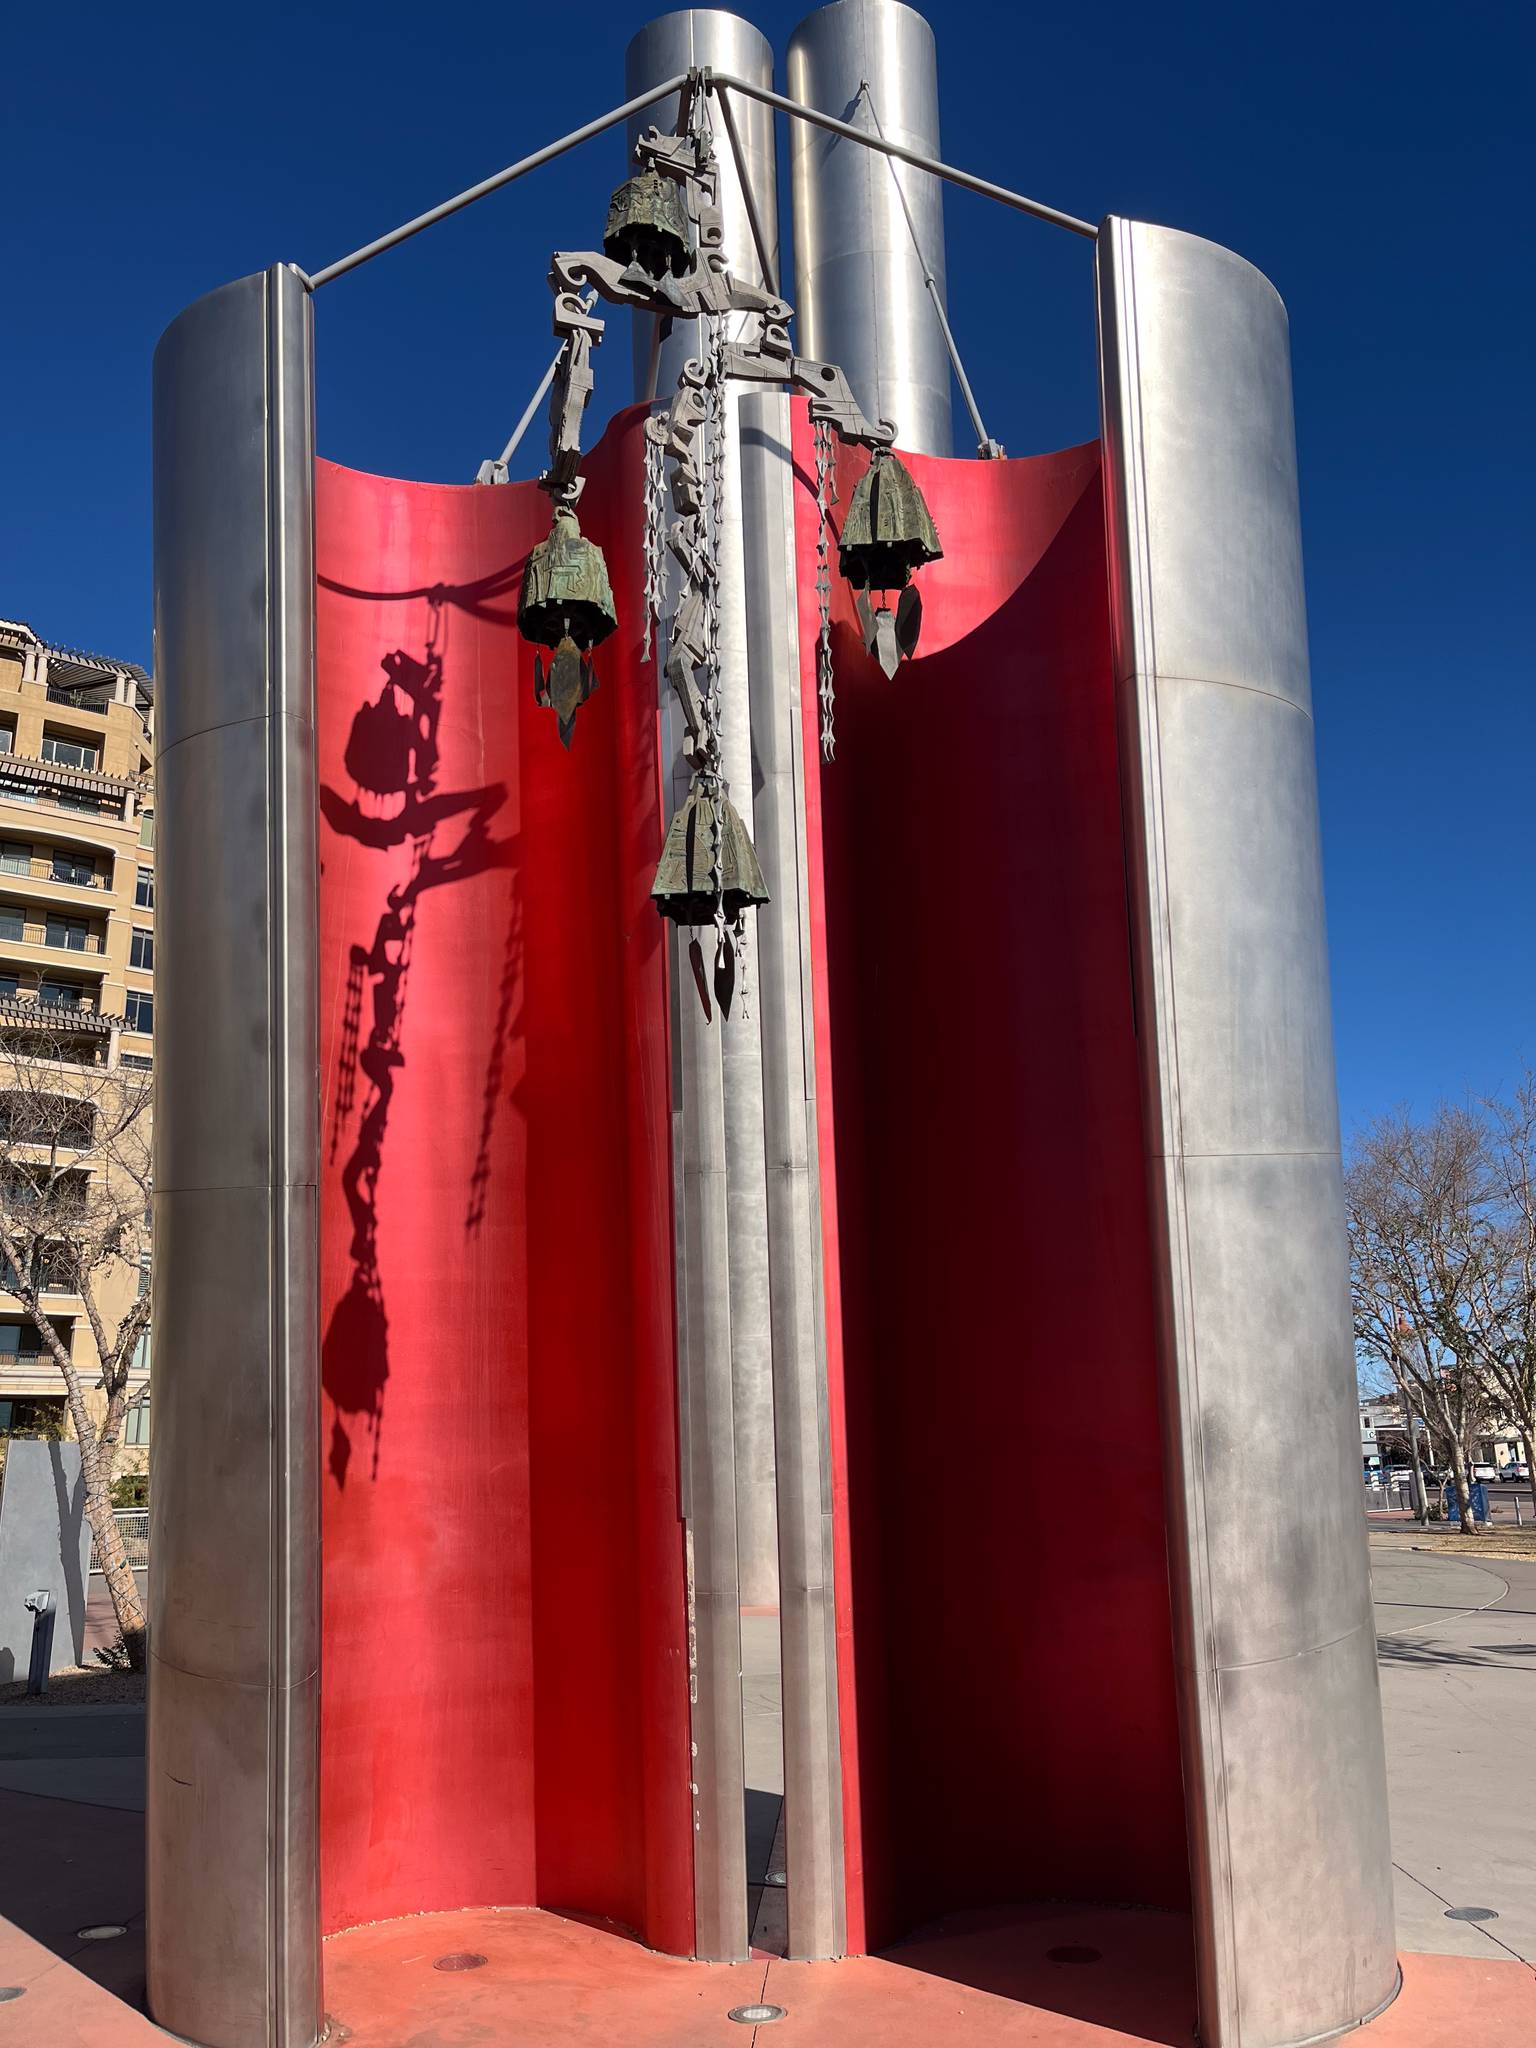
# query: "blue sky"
1372,160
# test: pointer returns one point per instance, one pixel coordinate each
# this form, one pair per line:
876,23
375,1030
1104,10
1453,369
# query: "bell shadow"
392,756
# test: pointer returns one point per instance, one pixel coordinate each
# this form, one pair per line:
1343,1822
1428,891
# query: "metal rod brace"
711,81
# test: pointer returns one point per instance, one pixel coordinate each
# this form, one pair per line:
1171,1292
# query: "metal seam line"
794,108
985,446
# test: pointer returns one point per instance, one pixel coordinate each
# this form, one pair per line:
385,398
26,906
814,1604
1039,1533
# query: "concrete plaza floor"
1458,1647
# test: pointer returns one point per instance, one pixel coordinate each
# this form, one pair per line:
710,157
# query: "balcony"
21,869
36,931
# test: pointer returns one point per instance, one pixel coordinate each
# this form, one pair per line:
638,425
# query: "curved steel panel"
988,1222
498,1399
859,289
1280,1708
233,1942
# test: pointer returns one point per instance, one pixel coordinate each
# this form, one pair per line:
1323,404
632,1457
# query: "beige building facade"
77,916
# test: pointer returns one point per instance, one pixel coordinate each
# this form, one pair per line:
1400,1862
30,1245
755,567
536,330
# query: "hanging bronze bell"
684,889
648,225
888,533
567,606
889,530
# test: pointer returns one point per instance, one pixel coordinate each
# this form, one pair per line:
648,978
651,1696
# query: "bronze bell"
684,889
648,225
888,533
567,606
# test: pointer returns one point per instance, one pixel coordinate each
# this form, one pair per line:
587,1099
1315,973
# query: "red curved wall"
1010,1727
505,1713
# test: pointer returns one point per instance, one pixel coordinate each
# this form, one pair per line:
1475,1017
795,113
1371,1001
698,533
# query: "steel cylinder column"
661,50
1280,1709
859,291
807,1630
231,1805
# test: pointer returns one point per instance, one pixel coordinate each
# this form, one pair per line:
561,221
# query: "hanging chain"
654,569
714,520
826,495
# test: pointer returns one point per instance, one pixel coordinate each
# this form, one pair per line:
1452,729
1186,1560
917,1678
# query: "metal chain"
654,575
826,495
714,519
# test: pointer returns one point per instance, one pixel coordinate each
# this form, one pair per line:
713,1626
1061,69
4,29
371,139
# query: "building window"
140,1061
69,867
69,753
147,828
140,1010
9,985
141,952
31,1119
61,995
136,1425
144,890
13,922
15,859
7,738
70,932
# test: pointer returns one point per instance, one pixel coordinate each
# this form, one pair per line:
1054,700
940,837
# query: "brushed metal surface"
231,1808
807,1631
1284,1769
859,290
724,1337
662,49
707,1402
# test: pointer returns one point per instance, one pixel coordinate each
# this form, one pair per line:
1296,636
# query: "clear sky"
1375,161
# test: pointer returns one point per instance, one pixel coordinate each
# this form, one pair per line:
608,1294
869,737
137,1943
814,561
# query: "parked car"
1485,1472
1511,1474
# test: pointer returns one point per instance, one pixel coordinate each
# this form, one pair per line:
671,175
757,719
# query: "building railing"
133,1527
34,870
35,933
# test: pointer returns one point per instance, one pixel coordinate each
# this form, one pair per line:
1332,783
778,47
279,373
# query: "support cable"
754,219
494,183
495,472
690,81
986,447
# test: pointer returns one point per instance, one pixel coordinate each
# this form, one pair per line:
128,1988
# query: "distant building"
77,945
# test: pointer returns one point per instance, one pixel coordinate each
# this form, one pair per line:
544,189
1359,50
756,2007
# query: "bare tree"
1501,1251
1417,1196
74,1217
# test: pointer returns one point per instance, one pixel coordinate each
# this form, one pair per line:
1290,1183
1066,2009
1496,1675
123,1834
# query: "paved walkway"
1458,1685
1458,1647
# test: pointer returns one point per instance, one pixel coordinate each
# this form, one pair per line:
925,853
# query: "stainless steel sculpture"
1284,1771
231,1802
1285,1777
859,267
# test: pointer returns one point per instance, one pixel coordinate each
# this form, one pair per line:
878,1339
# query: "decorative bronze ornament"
567,606
685,885
888,533
647,225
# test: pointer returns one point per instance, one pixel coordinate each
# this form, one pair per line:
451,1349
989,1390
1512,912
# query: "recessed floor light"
1471,1913
465,1959
109,1930
12,1991
756,2015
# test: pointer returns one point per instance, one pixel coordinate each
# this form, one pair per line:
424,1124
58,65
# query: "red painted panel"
1010,1729
505,1712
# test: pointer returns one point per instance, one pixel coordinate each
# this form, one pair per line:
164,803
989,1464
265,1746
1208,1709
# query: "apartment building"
77,945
